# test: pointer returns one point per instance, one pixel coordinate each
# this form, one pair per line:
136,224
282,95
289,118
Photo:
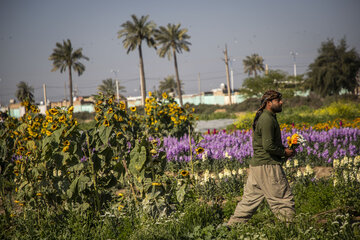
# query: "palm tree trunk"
177,78
142,77
70,86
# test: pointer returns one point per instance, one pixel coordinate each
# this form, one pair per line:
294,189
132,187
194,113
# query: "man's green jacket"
267,144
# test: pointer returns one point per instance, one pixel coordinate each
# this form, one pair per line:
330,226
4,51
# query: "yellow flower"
199,150
29,117
71,109
67,143
110,110
120,207
48,132
153,152
53,127
39,194
110,100
156,184
16,172
99,102
122,106
97,109
184,173
65,149
133,109
62,119
120,119
150,94
120,195
53,111
106,123
164,95
118,134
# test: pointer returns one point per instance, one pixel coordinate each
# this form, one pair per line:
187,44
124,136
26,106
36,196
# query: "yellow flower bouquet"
295,140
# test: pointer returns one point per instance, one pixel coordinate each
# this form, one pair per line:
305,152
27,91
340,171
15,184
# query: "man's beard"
276,109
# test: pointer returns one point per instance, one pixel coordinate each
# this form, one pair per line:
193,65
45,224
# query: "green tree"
253,64
173,39
108,87
169,85
134,33
334,69
275,79
24,92
64,57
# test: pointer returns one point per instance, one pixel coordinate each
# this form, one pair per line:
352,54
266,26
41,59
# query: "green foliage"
253,64
334,69
108,87
24,92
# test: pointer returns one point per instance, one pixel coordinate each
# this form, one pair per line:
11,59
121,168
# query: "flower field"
149,176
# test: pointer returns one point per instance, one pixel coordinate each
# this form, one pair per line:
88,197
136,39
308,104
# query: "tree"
134,33
169,85
173,40
24,92
275,79
253,64
334,69
64,57
108,87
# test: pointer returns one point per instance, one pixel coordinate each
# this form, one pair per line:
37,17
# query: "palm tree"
253,63
64,57
108,87
169,85
173,40
24,92
134,33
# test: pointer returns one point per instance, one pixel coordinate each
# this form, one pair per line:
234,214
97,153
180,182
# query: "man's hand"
289,152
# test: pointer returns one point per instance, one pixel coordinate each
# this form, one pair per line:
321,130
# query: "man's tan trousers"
269,182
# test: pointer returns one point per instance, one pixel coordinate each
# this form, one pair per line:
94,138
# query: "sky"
29,31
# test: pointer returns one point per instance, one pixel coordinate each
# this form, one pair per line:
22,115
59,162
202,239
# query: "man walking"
266,177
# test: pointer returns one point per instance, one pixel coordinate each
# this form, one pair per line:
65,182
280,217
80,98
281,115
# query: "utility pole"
266,69
45,100
65,92
199,87
227,73
117,91
294,57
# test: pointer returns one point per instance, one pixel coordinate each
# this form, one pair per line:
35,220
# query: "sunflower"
106,123
62,119
133,109
99,102
184,173
110,101
54,127
97,109
110,110
199,150
65,149
120,207
48,132
53,111
120,195
156,184
118,134
70,110
153,152
150,94
67,143
39,194
164,95
122,106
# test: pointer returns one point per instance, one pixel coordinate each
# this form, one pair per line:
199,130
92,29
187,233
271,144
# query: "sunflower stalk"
191,159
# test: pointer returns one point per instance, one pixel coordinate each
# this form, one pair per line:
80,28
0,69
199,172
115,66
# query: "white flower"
204,156
308,170
227,155
335,182
288,164
206,175
357,160
358,177
299,173
336,163
221,175
212,175
227,173
296,163
344,161
233,172
346,175
241,171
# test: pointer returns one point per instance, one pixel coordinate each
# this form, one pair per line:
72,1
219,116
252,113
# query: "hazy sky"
30,29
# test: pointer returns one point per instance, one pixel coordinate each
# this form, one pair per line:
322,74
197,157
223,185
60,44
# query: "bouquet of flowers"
295,140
